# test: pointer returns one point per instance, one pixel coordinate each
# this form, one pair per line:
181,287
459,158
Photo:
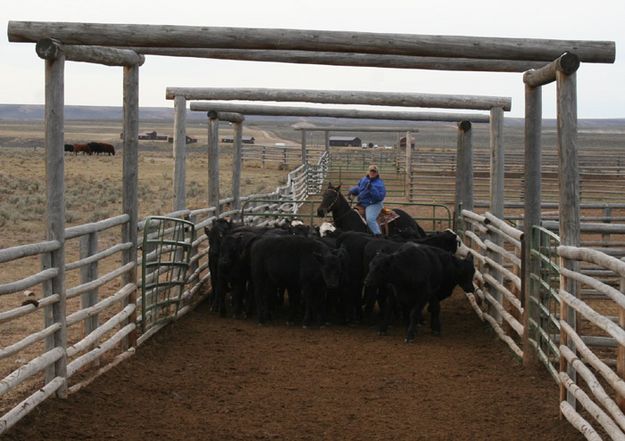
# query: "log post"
532,213
213,164
130,198
55,209
304,156
408,177
327,140
464,168
89,273
180,152
620,353
236,165
569,189
496,189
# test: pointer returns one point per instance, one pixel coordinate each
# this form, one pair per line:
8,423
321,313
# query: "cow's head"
466,273
331,267
379,268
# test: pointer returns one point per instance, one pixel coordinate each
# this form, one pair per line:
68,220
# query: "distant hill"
34,112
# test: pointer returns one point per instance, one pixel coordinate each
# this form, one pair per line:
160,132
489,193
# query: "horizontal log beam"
348,59
132,35
341,97
226,116
266,110
49,49
567,63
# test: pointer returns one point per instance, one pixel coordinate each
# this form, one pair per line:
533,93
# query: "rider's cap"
373,167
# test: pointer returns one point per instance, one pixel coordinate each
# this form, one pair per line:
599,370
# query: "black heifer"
216,233
420,274
299,264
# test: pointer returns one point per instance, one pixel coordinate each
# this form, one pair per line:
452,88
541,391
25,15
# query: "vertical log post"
213,163
55,209
304,155
263,156
89,273
408,178
569,191
327,140
532,213
464,169
607,213
130,199
496,189
620,353
180,152
236,165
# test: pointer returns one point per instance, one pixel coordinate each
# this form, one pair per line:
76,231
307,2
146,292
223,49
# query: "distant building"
345,141
244,139
402,142
189,140
153,136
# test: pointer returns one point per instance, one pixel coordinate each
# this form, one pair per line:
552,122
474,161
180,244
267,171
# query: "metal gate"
166,248
544,310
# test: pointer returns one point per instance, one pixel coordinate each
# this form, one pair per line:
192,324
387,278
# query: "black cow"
216,233
420,274
69,148
299,264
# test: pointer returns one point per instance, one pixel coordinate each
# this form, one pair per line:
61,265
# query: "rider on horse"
371,192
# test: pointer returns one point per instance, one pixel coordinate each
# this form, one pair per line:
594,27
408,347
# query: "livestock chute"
167,248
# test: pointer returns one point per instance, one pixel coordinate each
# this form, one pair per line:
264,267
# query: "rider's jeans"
372,212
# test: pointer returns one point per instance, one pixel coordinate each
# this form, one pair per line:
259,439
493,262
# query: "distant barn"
244,139
345,141
153,136
189,139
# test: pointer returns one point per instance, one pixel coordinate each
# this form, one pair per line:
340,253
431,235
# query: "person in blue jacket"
371,192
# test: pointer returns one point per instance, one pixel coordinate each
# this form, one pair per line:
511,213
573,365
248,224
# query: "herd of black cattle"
338,277
91,148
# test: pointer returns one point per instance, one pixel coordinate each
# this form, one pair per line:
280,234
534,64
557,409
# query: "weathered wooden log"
342,97
614,294
505,338
594,385
98,256
93,355
27,309
579,422
27,282
349,59
590,227
89,273
126,35
17,252
23,408
593,256
504,272
180,152
500,234
85,287
513,322
232,117
29,369
105,224
566,63
600,416
236,165
213,165
511,257
49,49
7,351
503,226
268,110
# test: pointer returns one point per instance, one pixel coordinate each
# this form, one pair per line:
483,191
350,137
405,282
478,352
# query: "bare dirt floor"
211,378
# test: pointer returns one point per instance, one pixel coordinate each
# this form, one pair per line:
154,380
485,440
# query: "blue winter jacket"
369,191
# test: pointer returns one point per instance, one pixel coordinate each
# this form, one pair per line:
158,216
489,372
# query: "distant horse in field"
348,219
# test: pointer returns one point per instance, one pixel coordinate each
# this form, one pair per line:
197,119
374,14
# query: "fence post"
89,273
130,198
607,213
304,156
180,152
620,353
569,194
532,210
464,169
213,163
55,209
263,156
236,165
408,178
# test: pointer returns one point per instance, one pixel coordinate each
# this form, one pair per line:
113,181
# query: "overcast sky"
601,87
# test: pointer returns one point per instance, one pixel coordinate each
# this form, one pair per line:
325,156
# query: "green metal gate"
164,267
544,310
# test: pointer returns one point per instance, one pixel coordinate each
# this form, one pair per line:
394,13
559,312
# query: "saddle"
385,217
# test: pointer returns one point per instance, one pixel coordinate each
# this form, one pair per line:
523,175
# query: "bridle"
335,199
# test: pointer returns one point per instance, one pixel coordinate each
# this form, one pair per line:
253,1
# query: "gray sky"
601,87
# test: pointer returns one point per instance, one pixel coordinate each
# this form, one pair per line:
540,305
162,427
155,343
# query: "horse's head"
328,200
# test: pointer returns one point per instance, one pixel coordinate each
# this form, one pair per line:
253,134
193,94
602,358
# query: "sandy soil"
223,379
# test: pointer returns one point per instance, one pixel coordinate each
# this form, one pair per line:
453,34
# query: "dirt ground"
209,378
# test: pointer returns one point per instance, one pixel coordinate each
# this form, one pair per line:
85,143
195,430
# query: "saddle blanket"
386,216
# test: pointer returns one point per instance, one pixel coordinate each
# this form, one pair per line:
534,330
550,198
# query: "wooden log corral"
180,153
49,49
567,63
131,35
